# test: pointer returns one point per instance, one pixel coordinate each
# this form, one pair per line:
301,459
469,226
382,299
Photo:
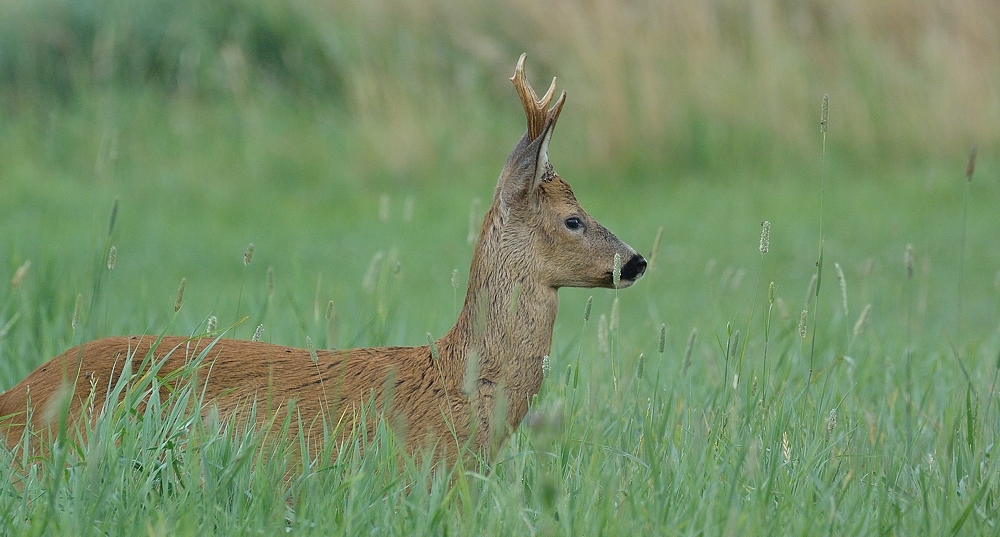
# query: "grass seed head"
765,236
180,295
212,323
734,345
258,332
590,304
862,320
692,338
312,350
114,216
641,366
824,114
470,380
869,267
656,249
811,291
112,257
454,278
329,311
782,309
770,292
76,312
663,337
616,274
602,334
20,273
843,285
546,366
433,346
786,448
803,324
248,255
970,164
371,275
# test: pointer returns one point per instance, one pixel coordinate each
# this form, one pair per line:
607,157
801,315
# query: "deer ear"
542,165
528,165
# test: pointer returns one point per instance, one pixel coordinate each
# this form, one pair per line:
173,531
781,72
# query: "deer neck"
505,327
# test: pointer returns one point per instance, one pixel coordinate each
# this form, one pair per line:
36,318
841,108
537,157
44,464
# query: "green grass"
704,121
673,452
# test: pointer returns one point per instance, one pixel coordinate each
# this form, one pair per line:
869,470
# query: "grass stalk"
823,124
970,168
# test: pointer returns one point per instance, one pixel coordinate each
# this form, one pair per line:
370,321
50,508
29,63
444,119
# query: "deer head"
561,245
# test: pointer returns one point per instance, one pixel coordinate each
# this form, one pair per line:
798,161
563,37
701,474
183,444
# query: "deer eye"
573,223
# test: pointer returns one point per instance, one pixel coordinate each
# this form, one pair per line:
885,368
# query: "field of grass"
689,409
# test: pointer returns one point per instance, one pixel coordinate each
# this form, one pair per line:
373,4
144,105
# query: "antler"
535,109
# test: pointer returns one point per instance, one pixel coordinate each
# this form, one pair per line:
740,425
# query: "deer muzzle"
632,270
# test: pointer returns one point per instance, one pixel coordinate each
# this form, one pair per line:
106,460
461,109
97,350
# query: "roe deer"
471,388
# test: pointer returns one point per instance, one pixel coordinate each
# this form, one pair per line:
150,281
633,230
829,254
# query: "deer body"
535,238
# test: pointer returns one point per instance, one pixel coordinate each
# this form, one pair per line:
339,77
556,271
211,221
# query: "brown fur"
489,365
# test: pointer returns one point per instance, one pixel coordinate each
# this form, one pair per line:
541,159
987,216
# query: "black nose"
634,268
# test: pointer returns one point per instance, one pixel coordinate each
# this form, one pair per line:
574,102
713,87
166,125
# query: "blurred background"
678,83
330,133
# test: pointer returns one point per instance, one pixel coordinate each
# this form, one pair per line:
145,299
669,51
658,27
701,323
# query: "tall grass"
660,452
206,157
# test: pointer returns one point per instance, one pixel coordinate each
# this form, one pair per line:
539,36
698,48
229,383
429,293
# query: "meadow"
356,146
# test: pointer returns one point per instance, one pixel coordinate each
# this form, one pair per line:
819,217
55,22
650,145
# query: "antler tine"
535,109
